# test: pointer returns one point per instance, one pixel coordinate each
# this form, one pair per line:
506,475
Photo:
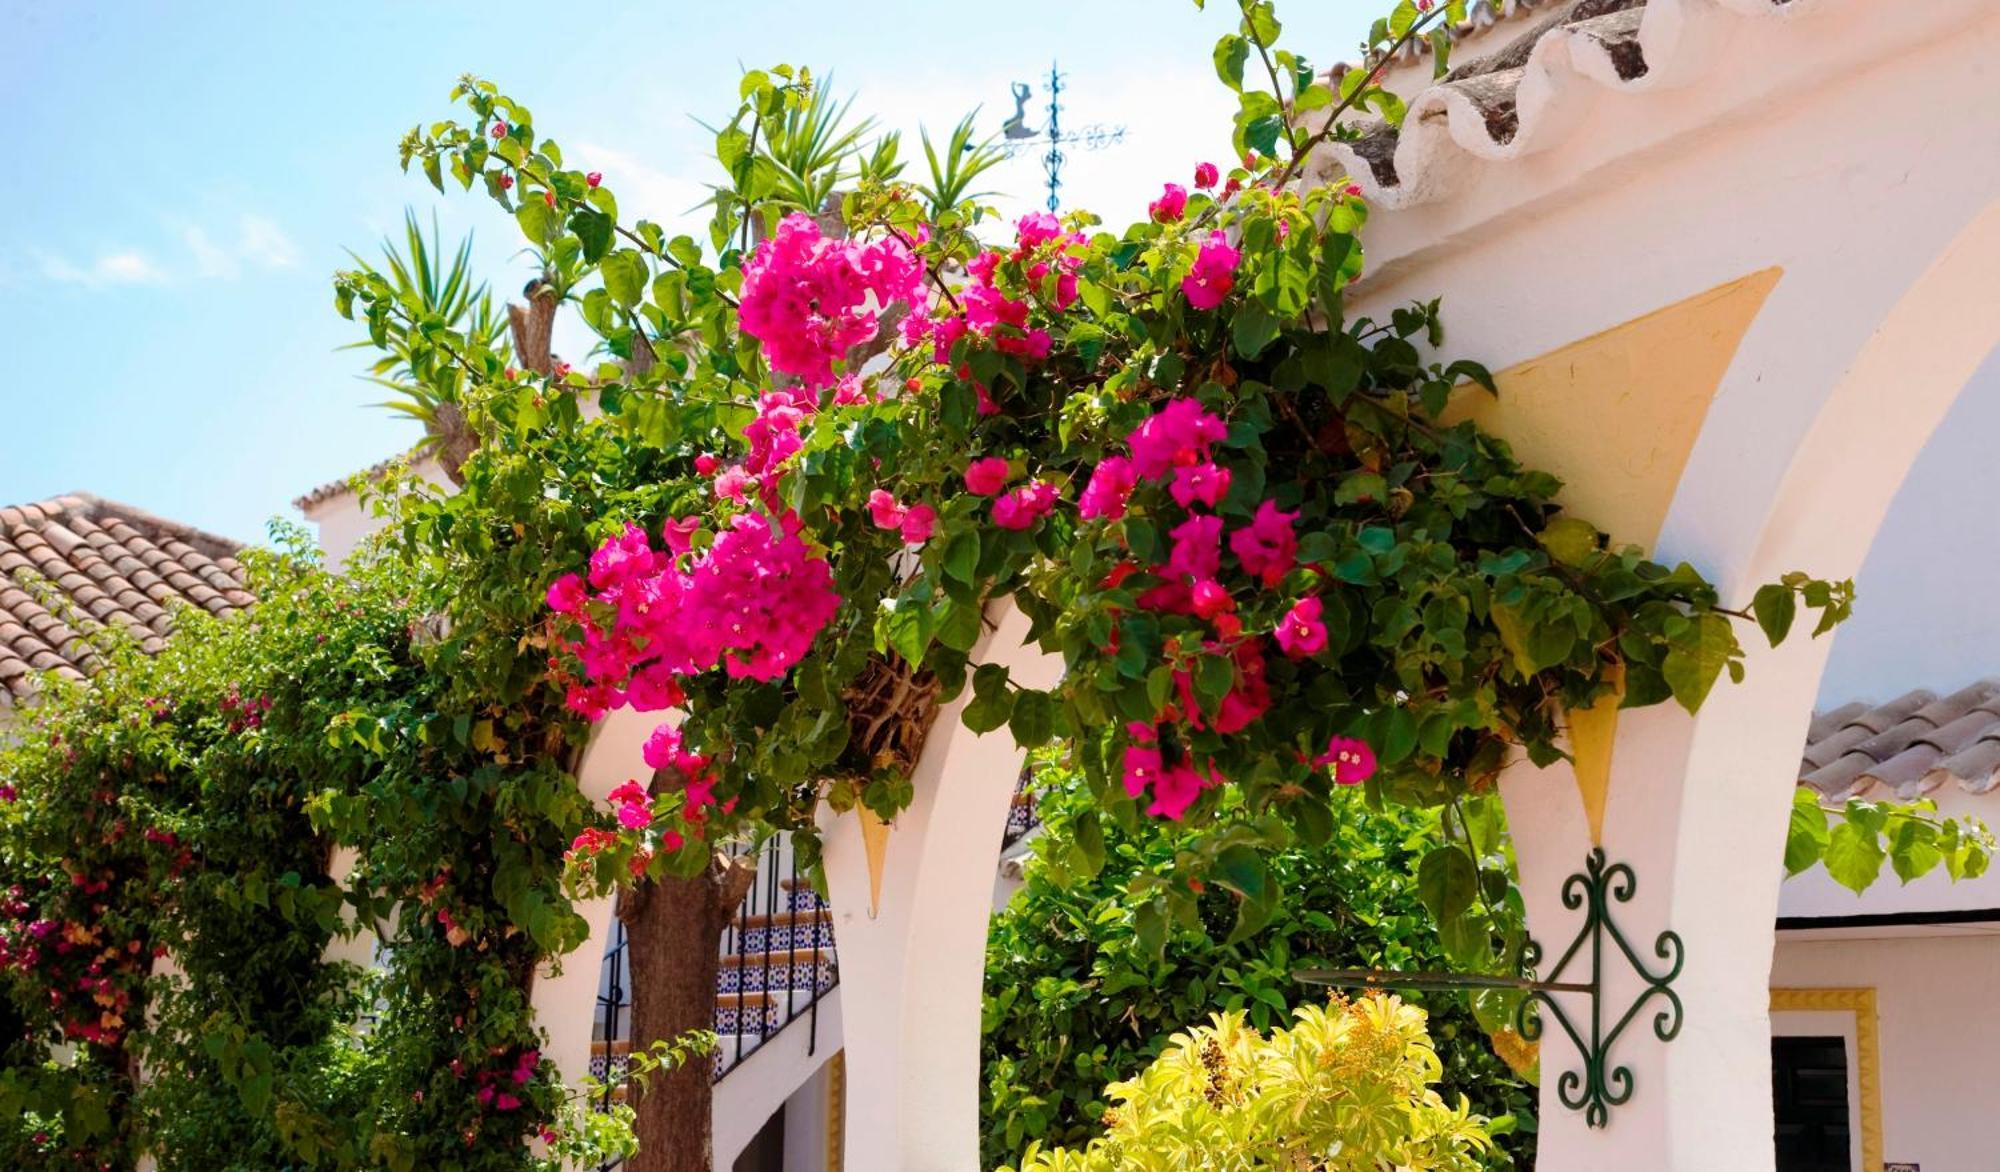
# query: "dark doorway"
766,1151
1809,1100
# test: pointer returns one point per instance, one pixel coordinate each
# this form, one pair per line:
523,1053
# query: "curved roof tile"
1910,746
77,563
1520,96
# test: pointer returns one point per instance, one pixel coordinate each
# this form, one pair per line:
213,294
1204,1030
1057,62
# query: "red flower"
499,130
594,178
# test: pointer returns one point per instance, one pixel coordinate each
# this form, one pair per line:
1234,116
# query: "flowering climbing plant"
1267,555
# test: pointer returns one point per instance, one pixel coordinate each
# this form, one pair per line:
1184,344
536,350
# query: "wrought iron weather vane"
1017,136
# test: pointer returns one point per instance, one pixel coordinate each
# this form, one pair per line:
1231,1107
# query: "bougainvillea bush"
1074,1001
1231,508
167,844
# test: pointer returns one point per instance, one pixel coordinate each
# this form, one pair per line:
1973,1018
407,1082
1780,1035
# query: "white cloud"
126,267
256,243
210,259
261,242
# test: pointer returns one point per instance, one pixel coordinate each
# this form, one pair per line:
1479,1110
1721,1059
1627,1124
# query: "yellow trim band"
1867,1054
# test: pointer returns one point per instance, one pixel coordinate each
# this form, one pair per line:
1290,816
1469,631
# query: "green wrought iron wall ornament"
1601,1084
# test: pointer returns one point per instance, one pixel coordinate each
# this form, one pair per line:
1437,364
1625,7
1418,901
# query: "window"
1826,1080
1809,1103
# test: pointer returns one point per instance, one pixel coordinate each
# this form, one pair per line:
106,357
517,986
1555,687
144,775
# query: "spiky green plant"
955,169
436,287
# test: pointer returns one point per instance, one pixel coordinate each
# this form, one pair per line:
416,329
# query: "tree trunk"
673,933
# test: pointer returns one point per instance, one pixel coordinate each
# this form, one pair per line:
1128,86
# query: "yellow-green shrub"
1348,1088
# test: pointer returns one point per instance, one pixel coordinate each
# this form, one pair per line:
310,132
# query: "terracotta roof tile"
1910,746
1533,87
77,563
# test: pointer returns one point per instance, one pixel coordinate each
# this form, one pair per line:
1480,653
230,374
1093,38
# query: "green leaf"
1807,834
1231,54
1254,328
593,231
1775,606
538,221
1697,658
1033,721
1241,869
1447,882
1853,856
625,277
993,701
1570,540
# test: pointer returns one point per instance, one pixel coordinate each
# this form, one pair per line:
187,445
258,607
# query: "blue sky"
198,170
189,176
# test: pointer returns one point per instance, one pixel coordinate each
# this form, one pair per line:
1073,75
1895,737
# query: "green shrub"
1075,1000
1348,1088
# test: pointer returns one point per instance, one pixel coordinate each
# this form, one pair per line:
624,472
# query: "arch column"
1697,806
565,992
912,971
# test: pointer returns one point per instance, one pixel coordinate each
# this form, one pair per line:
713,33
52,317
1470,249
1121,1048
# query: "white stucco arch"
1879,214
912,970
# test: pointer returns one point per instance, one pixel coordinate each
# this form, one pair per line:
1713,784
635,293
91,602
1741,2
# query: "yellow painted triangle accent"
1616,414
875,841
1592,733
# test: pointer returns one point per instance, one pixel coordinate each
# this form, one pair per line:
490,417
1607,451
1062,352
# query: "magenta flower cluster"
811,300
751,603
1176,448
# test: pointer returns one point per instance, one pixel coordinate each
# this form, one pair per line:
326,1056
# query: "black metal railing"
782,935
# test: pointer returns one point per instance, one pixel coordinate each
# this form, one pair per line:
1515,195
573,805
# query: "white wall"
1939,1036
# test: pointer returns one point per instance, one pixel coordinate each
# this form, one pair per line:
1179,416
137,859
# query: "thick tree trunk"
673,930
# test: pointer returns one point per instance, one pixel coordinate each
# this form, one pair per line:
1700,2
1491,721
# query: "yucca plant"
955,169
809,145
439,289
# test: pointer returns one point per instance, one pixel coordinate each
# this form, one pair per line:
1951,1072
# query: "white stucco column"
565,991
911,974
1697,805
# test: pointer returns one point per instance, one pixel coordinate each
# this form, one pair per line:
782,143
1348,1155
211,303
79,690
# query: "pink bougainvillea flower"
706,464
987,476
499,130
1205,483
1197,548
594,178
1024,506
631,791
1211,598
1206,175
811,300
653,690
1109,489
1177,788
1352,760
1178,434
1300,632
635,815
1037,228
1171,205
1267,547
566,594
919,522
1214,273
884,511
